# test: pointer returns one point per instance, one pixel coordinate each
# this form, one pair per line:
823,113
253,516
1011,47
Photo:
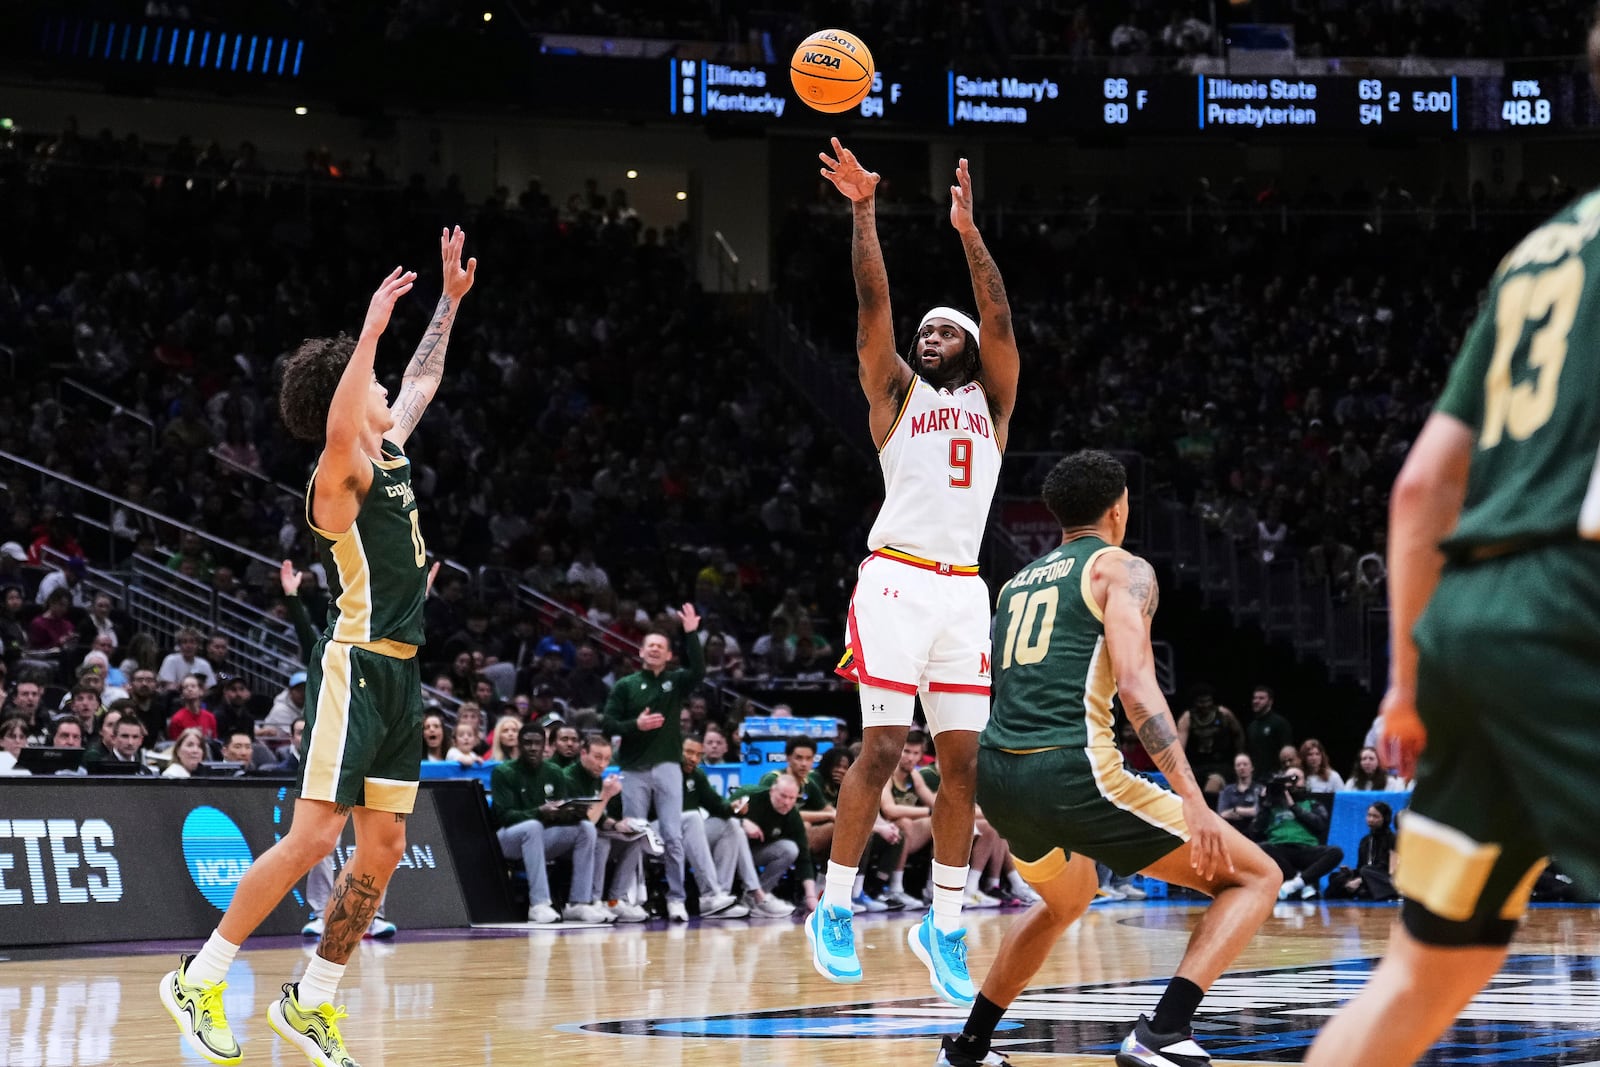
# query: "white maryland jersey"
940,466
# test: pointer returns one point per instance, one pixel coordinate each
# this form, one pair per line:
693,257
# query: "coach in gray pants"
642,711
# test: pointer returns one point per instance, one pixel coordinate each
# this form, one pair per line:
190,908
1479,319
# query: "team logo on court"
1540,1011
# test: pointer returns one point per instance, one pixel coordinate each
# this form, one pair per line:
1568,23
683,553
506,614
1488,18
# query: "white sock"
897,881
946,897
320,982
974,881
211,963
859,888
1017,883
836,891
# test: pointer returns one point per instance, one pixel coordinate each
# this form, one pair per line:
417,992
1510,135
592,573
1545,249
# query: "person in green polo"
532,824
771,820
643,710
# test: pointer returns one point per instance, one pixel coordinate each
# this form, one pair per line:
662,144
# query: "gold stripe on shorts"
1041,870
1442,868
325,754
389,794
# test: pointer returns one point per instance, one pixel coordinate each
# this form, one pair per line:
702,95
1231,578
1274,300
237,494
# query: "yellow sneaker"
197,1009
313,1031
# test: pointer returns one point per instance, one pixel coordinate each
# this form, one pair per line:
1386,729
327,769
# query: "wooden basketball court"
743,992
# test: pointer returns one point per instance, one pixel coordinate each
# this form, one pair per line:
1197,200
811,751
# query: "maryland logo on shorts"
1540,1011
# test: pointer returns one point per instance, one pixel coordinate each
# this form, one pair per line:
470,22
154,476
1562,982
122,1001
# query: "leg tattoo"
350,912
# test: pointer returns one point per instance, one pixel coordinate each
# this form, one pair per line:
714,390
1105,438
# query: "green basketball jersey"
378,568
1526,382
1052,674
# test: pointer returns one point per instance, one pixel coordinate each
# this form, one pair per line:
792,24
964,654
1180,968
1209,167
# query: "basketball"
831,71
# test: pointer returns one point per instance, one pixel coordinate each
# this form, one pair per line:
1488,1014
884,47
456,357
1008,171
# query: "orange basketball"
831,71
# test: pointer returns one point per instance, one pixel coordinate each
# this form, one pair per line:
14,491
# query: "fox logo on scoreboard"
1540,1011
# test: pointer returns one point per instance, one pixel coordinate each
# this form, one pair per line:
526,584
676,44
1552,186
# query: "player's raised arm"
1131,595
1002,364
426,368
344,469
884,375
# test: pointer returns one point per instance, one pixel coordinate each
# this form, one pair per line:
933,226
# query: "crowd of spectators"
603,433
1273,370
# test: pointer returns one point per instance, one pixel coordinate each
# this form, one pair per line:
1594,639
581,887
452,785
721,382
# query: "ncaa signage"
215,851
87,859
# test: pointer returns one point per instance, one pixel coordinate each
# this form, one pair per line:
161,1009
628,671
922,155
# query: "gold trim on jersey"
391,464
355,588
904,404
1043,869
1085,584
1031,751
319,531
1135,795
1442,868
330,731
389,794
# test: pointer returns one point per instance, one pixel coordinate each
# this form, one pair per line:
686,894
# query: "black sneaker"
1146,1048
951,1056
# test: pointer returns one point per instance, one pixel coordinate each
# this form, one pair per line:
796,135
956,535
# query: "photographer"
1291,828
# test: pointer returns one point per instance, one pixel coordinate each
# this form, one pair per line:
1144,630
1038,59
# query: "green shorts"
1508,685
363,739
1063,798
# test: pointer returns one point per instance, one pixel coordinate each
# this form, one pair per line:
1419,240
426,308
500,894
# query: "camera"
1280,789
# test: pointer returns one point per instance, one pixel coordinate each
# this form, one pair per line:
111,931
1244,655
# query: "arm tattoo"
350,912
426,368
866,260
1160,741
987,287
1142,585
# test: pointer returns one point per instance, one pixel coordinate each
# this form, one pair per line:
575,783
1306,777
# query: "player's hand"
290,578
1401,735
961,201
396,285
433,572
752,831
887,830
740,806
847,174
456,280
690,618
1208,840
610,787
650,720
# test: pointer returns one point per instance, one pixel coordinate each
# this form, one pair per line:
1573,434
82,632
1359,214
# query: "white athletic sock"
974,881
947,896
320,982
836,891
1016,882
897,881
859,887
211,963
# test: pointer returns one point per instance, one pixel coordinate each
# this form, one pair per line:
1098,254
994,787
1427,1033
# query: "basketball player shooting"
919,618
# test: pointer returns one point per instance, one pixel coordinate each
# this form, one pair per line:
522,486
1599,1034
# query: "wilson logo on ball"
831,71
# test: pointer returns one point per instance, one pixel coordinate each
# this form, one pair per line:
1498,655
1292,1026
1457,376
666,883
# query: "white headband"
960,318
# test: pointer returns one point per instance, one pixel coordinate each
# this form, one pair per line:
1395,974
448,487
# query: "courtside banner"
87,859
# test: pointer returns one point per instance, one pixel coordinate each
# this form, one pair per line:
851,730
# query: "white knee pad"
955,711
